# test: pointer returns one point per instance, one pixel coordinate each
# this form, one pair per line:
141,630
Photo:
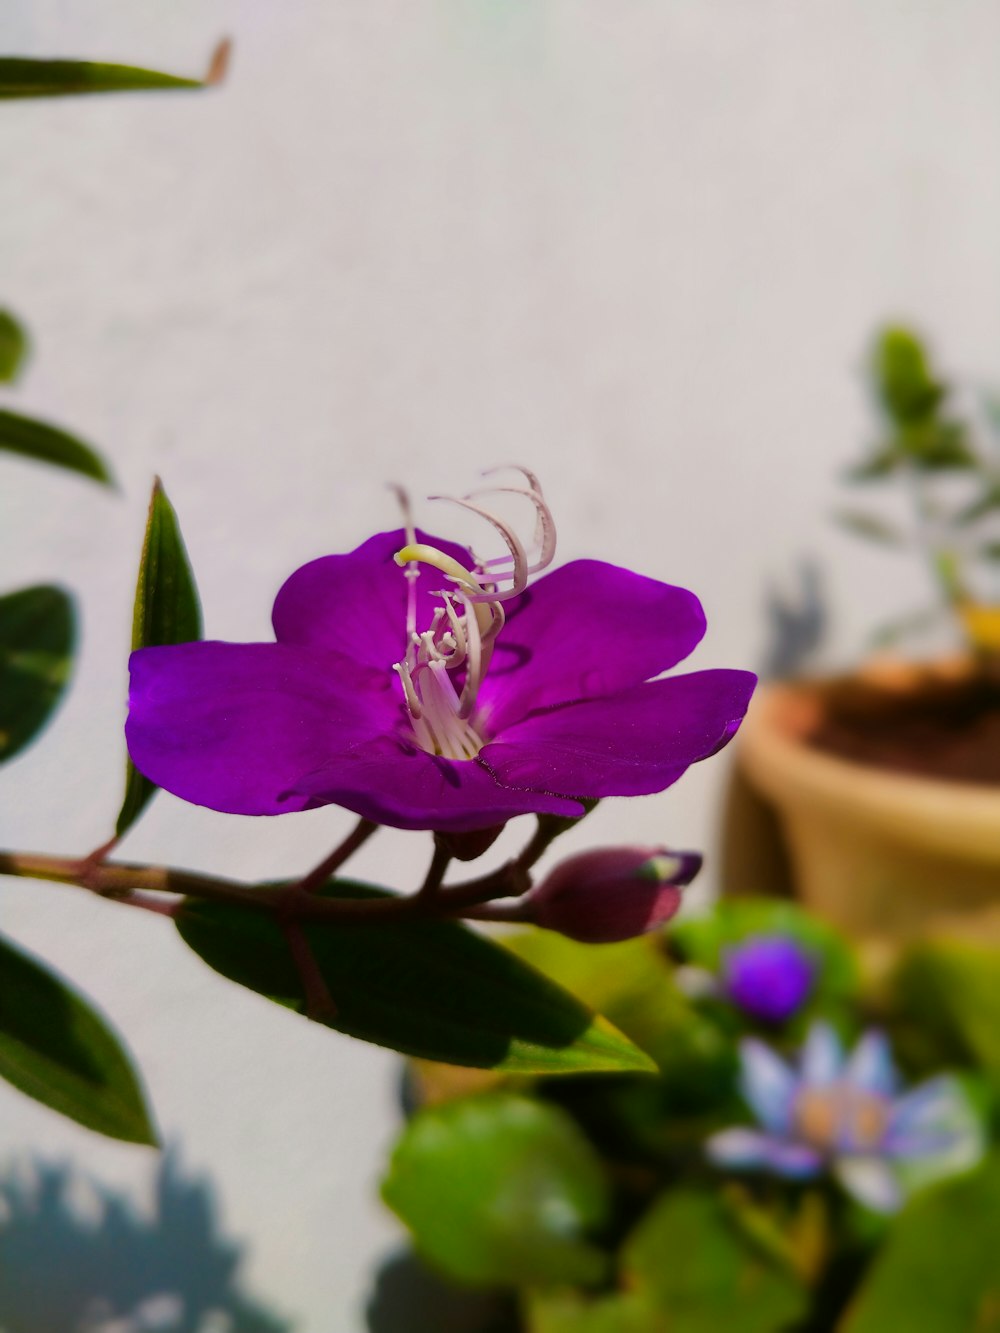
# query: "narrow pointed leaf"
13,347
56,1048
50,444
427,988
166,611
499,1189
36,645
23,77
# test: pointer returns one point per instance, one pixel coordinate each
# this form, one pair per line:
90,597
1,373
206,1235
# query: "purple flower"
611,894
845,1115
768,976
429,708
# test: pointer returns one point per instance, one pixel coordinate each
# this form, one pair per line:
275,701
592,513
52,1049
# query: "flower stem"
119,881
316,878
434,878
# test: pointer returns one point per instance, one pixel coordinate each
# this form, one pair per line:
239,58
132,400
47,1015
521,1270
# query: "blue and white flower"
846,1115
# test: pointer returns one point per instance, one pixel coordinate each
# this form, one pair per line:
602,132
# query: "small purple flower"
613,893
450,705
768,976
845,1115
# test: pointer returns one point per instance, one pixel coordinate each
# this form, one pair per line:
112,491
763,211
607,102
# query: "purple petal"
628,744
822,1056
870,1066
355,603
392,782
235,726
767,1084
743,1149
586,630
872,1182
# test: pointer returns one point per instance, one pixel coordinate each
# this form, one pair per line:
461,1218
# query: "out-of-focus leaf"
13,347
167,610
633,984
500,1189
24,77
50,444
57,1049
870,526
938,1270
882,463
691,1258
889,634
567,1313
36,645
986,503
427,988
902,377
948,991
989,551
938,446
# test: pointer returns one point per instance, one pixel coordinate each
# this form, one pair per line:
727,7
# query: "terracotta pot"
875,852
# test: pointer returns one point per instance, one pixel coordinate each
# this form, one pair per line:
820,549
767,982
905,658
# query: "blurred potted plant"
887,782
800,1161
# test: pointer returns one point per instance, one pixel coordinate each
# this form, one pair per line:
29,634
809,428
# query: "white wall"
639,245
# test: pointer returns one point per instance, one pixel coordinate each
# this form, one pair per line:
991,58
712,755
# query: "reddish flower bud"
612,894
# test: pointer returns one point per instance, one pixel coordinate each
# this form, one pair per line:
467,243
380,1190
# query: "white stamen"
465,626
518,555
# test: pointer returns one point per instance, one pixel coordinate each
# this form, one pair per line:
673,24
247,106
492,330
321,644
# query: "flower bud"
603,896
768,976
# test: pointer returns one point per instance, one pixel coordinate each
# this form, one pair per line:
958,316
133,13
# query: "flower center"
840,1117
445,664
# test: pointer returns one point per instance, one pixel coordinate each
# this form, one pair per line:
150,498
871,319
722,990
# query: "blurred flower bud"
768,976
612,894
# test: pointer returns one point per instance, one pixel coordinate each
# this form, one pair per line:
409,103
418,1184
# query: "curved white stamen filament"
464,627
545,529
518,555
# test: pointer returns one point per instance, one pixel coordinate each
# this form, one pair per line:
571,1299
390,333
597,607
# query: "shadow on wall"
409,1298
77,1258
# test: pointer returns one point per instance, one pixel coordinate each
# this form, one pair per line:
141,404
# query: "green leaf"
166,611
50,444
694,1261
426,988
13,347
564,1312
917,622
870,526
56,1048
36,644
883,462
938,1270
500,1189
987,502
947,990
902,377
22,77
